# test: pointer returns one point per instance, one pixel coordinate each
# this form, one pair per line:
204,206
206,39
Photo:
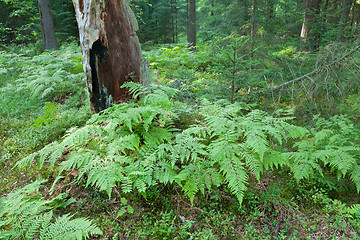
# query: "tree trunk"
270,10
191,33
253,23
47,25
346,5
111,50
307,41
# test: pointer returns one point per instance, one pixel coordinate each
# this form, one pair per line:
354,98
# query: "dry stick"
311,73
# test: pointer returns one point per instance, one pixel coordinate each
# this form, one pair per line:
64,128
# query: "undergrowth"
160,168
135,146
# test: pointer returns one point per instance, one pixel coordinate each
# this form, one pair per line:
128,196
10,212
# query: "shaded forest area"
248,129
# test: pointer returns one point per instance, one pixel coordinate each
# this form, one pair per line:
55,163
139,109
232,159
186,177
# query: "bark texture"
47,25
191,33
111,50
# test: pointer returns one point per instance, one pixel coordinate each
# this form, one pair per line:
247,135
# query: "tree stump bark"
110,48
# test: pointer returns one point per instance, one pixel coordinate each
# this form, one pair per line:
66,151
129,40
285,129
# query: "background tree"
47,25
191,36
308,37
344,17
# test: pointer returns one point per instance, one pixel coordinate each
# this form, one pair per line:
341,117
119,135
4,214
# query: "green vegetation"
245,138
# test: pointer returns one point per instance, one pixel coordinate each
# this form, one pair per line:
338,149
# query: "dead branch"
313,72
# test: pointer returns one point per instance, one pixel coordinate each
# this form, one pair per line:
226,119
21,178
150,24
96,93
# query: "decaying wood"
110,48
312,72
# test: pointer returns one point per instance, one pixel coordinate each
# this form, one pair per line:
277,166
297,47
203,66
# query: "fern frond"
303,165
24,214
135,89
104,175
274,159
355,177
257,141
236,177
65,229
342,161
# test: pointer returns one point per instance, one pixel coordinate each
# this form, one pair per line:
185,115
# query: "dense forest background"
250,128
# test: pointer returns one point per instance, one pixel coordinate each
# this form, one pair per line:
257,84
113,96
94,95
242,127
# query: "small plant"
25,214
233,66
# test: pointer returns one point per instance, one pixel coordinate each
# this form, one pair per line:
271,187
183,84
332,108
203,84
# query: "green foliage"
50,114
160,21
147,155
235,144
330,147
19,22
135,146
25,214
51,76
233,65
41,97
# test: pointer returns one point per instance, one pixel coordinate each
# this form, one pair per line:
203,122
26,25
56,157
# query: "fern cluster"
135,146
28,82
231,143
332,146
24,214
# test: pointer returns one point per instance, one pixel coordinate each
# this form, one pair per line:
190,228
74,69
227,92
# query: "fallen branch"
312,73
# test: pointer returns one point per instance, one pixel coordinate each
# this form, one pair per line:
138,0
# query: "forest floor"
37,108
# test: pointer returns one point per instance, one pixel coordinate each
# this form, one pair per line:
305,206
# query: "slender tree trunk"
253,24
47,25
212,6
307,41
191,33
111,50
172,6
246,17
176,22
346,6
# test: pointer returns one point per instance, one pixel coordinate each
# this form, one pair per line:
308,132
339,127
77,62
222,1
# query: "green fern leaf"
355,177
235,176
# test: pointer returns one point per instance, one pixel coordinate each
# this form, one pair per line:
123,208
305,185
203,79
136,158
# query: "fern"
135,146
231,143
24,214
330,147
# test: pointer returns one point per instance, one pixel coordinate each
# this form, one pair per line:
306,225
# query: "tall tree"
252,31
346,5
307,40
47,25
191,34
110,48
